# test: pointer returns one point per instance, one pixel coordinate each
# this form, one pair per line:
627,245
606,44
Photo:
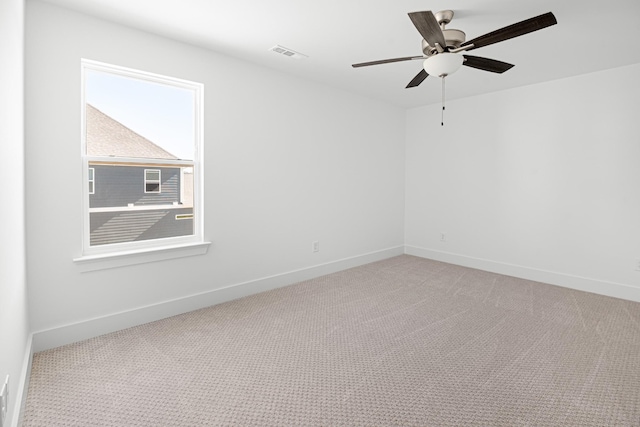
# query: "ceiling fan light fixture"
443,64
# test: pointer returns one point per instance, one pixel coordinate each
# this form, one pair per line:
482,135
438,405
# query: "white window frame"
153,181
127,253
92,180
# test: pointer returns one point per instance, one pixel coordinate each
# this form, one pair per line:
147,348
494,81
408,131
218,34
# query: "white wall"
287,162
14,326
538,182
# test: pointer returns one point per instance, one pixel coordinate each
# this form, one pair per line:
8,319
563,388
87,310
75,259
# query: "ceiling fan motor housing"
454,39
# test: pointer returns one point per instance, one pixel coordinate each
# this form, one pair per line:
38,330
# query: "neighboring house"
133,200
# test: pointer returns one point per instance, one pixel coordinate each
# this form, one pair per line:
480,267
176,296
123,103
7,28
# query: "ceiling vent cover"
287,52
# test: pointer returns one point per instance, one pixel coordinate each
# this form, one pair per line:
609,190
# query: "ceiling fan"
442,46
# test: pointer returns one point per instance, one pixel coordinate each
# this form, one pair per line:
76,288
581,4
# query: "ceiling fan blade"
427,25
386,61
419,78
518,29
486,64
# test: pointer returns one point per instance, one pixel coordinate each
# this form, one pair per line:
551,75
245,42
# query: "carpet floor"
401,342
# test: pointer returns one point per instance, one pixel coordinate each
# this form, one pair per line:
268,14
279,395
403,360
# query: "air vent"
287,52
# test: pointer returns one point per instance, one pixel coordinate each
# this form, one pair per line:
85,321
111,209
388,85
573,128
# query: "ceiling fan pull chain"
442,117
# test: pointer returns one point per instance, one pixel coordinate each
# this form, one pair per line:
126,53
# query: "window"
151,180
92,181
140,128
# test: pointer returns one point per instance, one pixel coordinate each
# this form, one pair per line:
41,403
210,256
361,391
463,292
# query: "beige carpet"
401,342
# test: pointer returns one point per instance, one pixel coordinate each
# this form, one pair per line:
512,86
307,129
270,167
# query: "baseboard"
611,289
70,333
23,388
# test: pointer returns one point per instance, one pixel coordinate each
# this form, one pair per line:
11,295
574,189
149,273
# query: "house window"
138,128
152,180
92,181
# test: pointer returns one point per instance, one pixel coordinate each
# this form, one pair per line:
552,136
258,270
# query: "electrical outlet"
4,401
315,246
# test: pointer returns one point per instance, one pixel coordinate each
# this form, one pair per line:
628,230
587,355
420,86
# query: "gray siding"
129,226
120,185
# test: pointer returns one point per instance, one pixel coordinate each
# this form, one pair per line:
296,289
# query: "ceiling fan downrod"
442,116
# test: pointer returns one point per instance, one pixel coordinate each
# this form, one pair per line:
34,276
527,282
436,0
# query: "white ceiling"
590,36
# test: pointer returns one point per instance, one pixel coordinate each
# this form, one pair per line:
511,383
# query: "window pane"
122,209
127,118
152,188
152,175
157,119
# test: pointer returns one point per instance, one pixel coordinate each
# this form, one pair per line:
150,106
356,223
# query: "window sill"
125,258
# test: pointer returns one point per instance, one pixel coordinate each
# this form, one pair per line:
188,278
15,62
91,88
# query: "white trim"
139,74
89,328
92,180
123,258
85,201
23,388
611,289
115,250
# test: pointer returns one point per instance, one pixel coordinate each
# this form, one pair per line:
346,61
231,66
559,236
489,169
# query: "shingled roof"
108,137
